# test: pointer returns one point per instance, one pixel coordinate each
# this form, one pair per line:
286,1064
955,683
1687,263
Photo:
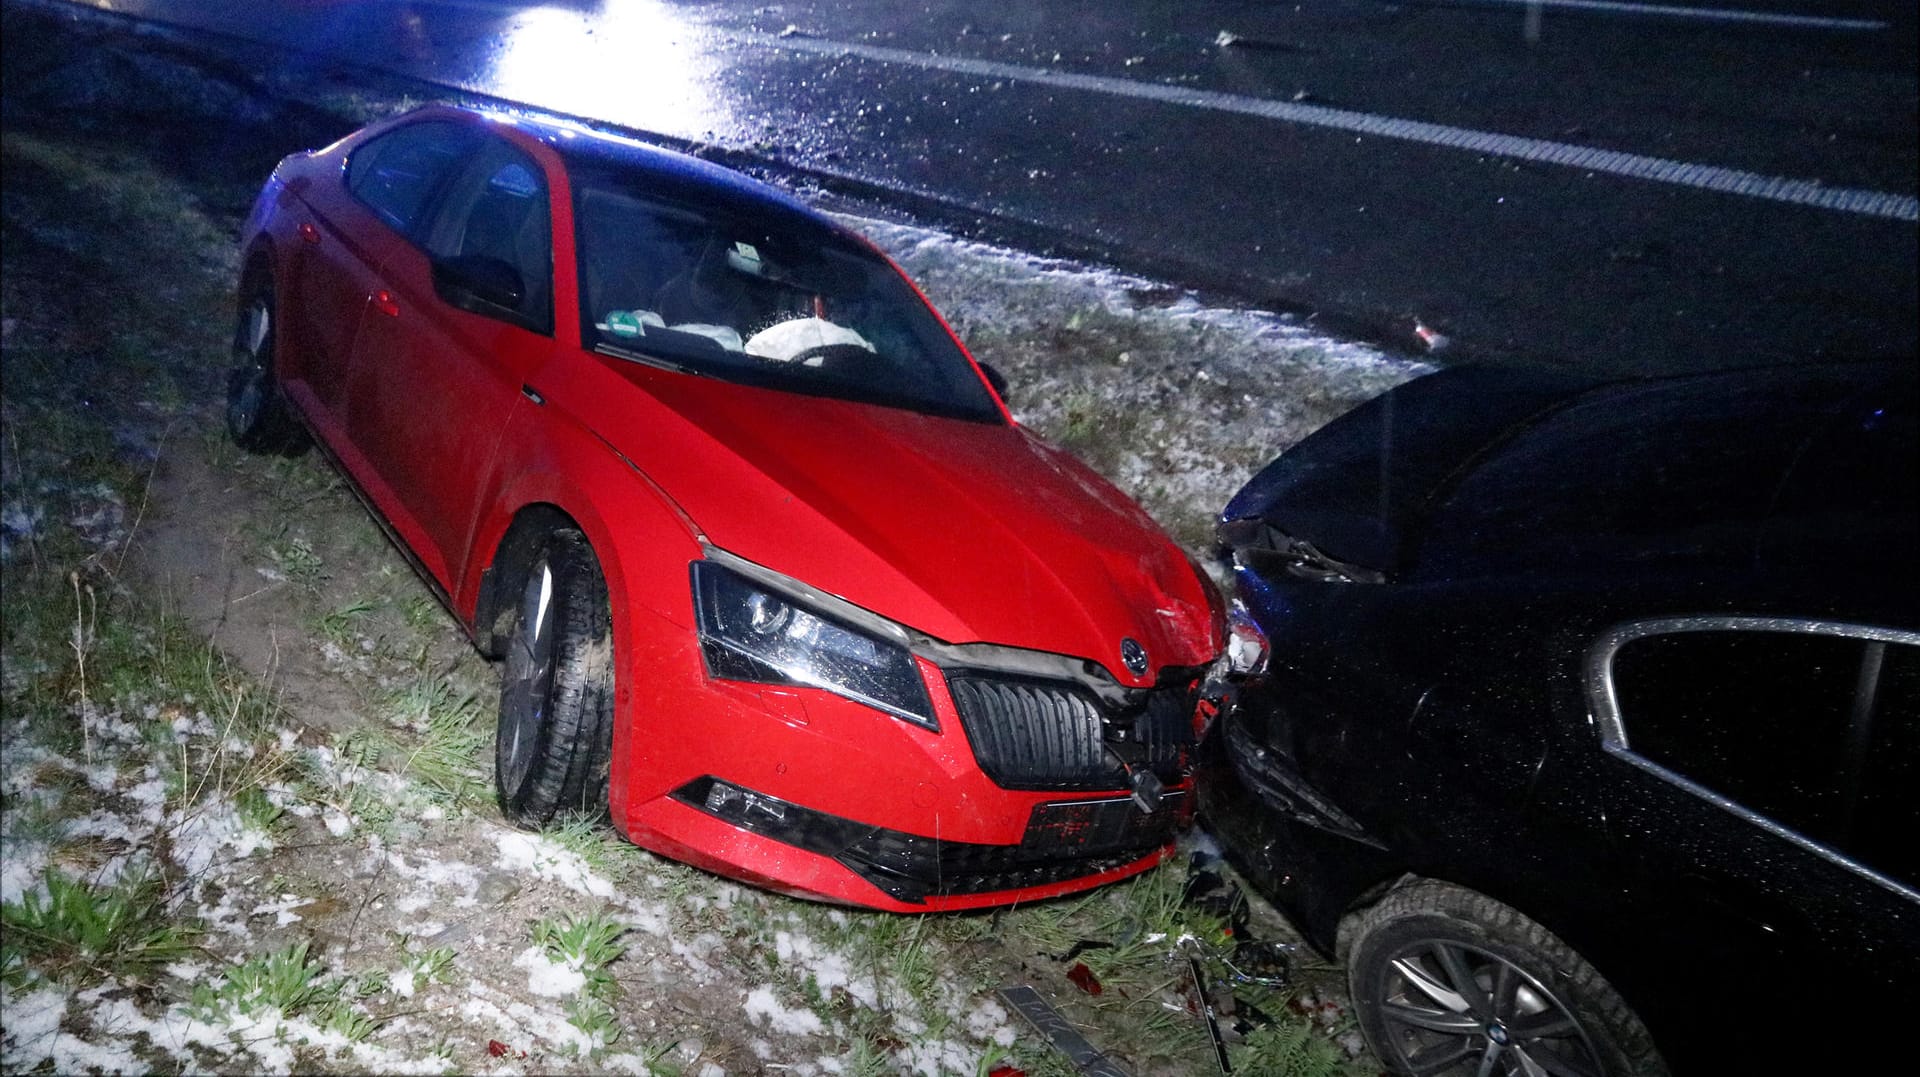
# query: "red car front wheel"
555,738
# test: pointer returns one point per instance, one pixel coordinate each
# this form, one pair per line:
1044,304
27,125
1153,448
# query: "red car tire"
555,740
258,418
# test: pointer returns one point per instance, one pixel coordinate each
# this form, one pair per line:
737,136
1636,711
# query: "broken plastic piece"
1084,979
1268,964
1148,790
1206,1010
1082,947
1060,1032
1004,1070
1433,339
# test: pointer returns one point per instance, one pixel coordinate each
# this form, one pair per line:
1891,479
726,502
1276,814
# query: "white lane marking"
1716,14
1588,158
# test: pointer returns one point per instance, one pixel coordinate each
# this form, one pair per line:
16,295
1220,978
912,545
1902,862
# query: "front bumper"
1303,852
1064,841
805,792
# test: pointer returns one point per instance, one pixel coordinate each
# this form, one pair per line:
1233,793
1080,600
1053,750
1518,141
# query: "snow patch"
551,979
762,1008
549,860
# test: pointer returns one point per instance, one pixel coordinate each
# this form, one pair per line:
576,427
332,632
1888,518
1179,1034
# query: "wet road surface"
1612,186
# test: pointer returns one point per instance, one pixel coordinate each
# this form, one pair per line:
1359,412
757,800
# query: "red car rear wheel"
257,416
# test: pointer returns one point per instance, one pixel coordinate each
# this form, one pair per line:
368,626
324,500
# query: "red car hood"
970,532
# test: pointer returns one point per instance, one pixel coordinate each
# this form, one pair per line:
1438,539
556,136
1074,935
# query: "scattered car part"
1059,1032
1200,990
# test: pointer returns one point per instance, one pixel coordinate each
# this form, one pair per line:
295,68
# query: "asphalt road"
1611,186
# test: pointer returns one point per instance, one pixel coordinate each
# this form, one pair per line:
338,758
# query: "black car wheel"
555,738
257,416
1450,981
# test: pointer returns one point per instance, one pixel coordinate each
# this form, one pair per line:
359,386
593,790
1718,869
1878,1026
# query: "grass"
288,980
343,624
294,557
1141,933
451,738
78,933
597,1022
604,852
1290,1049
431,966
588,944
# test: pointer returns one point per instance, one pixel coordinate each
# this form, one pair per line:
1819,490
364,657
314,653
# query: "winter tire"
555,737
1448,981
258,418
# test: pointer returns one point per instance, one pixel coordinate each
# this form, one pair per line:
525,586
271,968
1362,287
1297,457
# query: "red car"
775,577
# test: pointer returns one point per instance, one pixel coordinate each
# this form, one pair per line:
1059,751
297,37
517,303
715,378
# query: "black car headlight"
750,631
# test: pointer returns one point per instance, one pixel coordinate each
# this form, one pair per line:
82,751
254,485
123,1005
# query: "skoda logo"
1134,655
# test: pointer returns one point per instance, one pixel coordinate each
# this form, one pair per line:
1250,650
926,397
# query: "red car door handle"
308,232
384,302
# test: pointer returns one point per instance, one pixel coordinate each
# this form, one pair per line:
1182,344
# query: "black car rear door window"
397,173
1815,729
1761,718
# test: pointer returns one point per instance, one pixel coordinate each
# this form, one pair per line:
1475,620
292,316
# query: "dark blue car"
1589,738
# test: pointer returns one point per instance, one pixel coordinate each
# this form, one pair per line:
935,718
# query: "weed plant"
587,944
77,933
286,980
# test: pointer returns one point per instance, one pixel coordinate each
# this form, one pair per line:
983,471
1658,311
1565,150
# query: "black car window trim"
1606,714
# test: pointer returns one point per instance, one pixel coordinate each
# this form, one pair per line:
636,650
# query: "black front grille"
1039,734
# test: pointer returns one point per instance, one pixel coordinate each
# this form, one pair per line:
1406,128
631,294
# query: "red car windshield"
753,302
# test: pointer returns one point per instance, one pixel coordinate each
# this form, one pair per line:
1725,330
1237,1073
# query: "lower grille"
1064,840
1048,735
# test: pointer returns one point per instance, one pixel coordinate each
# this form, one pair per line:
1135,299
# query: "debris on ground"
1435,340
1227,39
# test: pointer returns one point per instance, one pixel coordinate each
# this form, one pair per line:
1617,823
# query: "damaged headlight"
1246,653
752,632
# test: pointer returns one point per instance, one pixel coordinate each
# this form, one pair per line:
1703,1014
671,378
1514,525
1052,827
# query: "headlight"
1246,643
751,632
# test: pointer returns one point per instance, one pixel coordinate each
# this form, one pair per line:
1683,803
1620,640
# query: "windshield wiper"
645,359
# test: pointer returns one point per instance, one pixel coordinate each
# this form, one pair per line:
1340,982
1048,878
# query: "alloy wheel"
529,676
1454,1008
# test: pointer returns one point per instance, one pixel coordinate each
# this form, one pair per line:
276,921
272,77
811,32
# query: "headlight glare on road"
750,632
